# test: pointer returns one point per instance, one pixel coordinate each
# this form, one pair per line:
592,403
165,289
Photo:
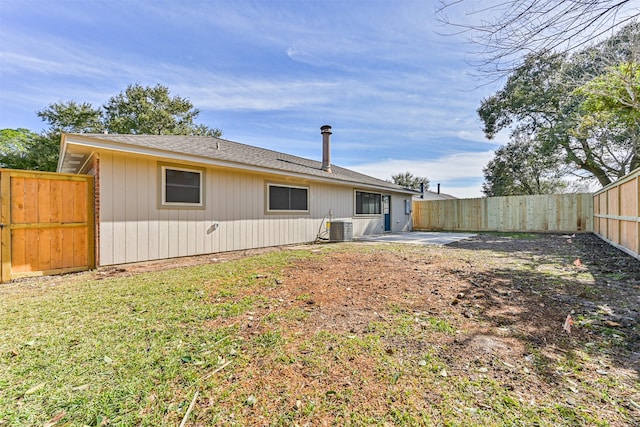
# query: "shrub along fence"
617,213
563,213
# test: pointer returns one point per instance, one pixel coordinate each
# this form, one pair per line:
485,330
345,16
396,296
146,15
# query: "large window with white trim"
286,198
182,186
368,203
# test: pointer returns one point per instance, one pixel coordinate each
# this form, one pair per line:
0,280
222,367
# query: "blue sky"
399,96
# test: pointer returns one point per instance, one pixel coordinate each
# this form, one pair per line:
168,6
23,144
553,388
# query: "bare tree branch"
506,31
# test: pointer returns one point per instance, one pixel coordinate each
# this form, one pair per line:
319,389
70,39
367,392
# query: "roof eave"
106,144
62,152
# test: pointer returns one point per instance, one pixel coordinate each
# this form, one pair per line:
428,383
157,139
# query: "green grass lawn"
124,351
136,350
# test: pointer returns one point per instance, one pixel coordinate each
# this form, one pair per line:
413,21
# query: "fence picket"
47,223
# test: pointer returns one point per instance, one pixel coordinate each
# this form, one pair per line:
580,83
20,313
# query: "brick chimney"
326,147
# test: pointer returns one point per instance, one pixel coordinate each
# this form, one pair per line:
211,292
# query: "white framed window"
286,198
181,186
368,203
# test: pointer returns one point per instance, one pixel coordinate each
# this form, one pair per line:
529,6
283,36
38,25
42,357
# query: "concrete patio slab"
417,238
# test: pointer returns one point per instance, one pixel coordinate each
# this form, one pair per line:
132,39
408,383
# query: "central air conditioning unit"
340,231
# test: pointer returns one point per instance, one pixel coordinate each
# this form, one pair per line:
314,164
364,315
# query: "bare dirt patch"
488,311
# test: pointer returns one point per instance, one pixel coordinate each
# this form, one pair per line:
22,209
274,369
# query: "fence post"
5,228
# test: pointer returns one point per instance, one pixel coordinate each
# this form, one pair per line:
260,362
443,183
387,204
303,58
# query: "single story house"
166,196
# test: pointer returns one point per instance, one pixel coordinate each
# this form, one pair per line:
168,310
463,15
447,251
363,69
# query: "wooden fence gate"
46,223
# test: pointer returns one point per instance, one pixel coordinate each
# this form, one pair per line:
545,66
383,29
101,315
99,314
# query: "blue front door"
386,210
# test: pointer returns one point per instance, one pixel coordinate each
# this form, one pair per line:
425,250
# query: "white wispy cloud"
453,171
396,98
274,71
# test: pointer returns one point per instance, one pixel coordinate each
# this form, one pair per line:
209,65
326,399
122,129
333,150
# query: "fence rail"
564,213
617,213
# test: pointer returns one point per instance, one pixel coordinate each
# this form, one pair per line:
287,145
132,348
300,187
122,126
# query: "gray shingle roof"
242,155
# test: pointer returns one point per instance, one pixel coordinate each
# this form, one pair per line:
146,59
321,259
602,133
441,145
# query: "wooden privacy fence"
566,213
617,213
46,223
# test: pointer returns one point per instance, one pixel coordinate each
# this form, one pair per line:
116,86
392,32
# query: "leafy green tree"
408,180
614,99
137,110
547,98
15,141
67,116
18,149
151,110
617,91
523,167
72,117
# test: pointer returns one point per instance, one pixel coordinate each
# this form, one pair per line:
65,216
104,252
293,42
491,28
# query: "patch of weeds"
612,332
295,314
585,278
569,415
607,381
587,291
375,327
343,416
585,322
316,350
303,297
302,408
613,339
541,363
268,340
403,417
431,363
353,345
616,276
343,395
321,340
395,308
285,358
554,275
400,326
225,294
441,325
571,362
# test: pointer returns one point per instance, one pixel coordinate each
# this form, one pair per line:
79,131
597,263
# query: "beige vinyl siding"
398,213
133,228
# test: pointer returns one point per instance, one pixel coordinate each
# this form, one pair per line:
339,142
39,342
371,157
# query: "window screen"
367,203
182,186
288,198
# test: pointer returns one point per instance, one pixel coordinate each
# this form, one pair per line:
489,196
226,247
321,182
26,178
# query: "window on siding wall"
368,203
181,186
291,199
